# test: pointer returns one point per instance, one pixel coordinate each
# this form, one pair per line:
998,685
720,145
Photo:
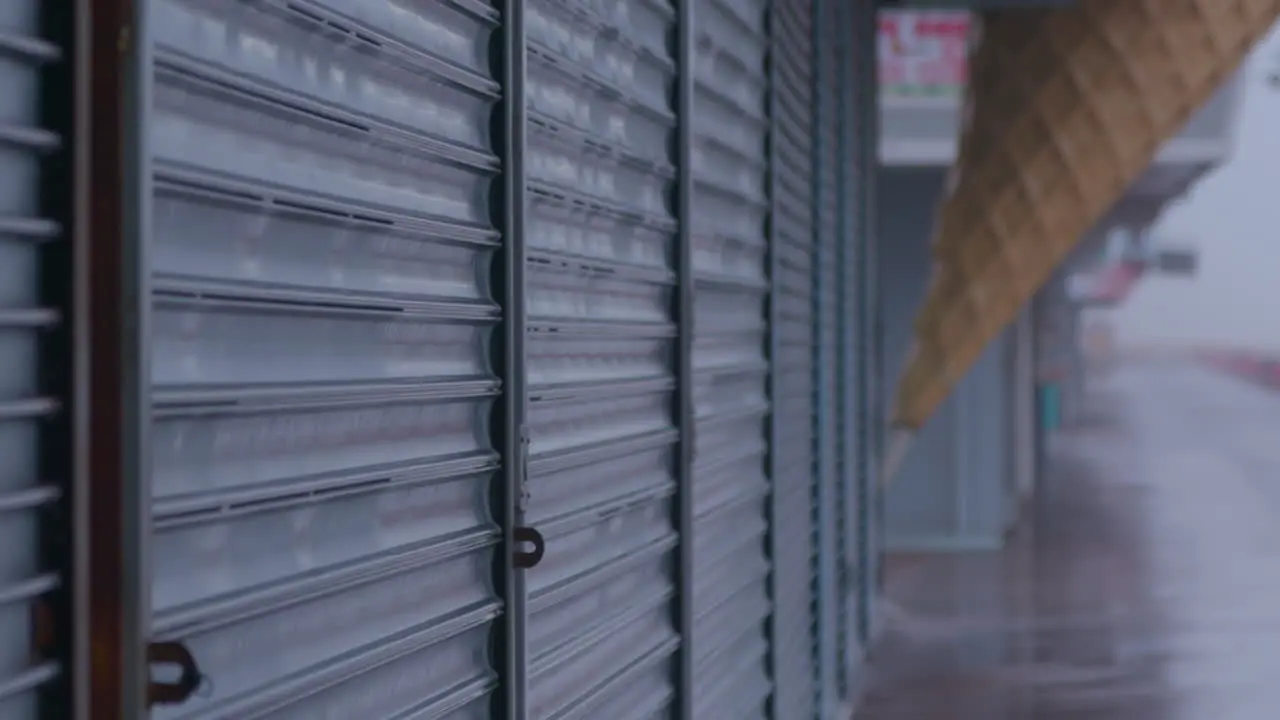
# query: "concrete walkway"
1144,585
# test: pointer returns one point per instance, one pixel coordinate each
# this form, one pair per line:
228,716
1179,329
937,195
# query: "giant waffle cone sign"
1065,109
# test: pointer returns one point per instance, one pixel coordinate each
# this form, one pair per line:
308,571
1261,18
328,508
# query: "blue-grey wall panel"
985,446
915,506
952,491
322,387
829,39
1024,417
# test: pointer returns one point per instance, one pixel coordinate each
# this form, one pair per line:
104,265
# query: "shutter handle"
523,560
188,682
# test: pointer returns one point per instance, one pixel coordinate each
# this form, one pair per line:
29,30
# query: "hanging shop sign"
1106,286
923,52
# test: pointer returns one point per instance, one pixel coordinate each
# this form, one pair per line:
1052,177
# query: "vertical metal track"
821,417
870,322
773,355
60,462
683,507
104,392
77,646
846,359
117,375
508,422
135,378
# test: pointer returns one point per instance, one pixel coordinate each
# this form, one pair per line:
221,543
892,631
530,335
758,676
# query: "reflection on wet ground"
1143,584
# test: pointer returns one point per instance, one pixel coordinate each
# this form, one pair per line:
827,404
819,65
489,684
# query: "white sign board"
923,52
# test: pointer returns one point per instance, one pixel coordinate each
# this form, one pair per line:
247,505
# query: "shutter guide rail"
508,427
683,412
112,339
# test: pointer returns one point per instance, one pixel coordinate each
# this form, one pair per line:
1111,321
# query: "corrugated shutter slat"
730,485
859,112
321,454
602,335
795,392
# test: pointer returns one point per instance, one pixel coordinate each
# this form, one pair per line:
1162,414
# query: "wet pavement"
1144,583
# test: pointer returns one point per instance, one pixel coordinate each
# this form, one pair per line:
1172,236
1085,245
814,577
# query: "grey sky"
1233,216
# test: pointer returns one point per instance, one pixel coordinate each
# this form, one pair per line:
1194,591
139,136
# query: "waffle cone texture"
1066,107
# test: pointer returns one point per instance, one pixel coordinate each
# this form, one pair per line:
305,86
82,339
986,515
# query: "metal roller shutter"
853,358
601,346
846,501
864,117
829,157
322,316
793,340
34,364
730,486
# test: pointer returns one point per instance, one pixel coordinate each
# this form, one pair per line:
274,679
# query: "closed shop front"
36,368
505,360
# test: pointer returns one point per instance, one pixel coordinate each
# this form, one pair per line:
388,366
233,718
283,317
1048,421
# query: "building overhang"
1179,157
923,131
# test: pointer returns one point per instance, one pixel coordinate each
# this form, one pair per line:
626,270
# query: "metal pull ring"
524,560
188,682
